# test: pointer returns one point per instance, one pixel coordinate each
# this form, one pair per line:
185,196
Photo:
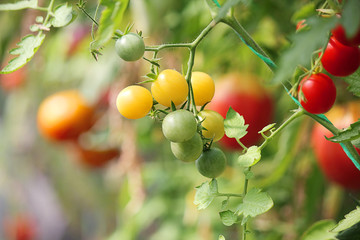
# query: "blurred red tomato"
13,80
19,228
64,115
340,35
95,157
334,163
247,97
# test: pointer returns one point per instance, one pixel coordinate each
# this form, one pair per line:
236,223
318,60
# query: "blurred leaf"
304,12
350,219
205,194
110,20
224,204
63,15
19,5
320,231
354,83
303,46
251,157
26,50
349,134
352,233
221,237
234,124
228,217
350,18
255,203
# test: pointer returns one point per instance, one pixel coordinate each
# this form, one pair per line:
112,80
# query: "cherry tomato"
340,60
13,80
134,102
318,93
130,47
203,88
332,160
339,33
189,150
247,97
213,123
64,115
211,163
179,126
170,86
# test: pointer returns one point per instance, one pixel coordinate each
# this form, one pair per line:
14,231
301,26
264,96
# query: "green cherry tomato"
213,123
188,151
203,87
170,86
211,163
130,47
179,126
134,102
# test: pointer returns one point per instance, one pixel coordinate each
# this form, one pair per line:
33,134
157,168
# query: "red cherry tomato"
339,33
332,160
247,97
317,94
340,60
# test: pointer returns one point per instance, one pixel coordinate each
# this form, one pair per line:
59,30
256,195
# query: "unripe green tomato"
179,126
214,124
130,47
188,151
211,163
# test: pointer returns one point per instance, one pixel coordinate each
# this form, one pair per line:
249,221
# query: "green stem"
334,5
49,11
246,184
41,9
296,114
167,45
88,15
229,195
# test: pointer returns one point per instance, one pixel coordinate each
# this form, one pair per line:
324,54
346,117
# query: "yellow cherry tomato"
170,86
203,88
134,102
214,124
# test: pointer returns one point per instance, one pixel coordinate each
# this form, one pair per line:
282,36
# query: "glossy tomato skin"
211,163
189,150
130,47
213,123
170,86
334,163
203,88
247,97
318,93
340,60
134,102
64,116
339,33
179,126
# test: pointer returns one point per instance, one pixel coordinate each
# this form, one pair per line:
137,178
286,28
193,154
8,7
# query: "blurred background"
134,188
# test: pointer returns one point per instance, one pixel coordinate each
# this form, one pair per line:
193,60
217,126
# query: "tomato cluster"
190,133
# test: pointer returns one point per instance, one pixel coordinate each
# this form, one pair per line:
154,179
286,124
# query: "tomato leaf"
63,15
19,5
251,157
221,237
350,219
320,231
350,18
352,233
110,20
234,124
354,83
304,12
349,134
205,194
228,217
255,203
304,43
26,50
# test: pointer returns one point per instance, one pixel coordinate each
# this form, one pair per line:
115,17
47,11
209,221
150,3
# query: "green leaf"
267,128
350,219
234,124
255,203
26,50
110,20
304,12
205,194
320,231
349,134
228,217
304,44
352,233
221,237
350,18
354,83
251,157
63,15
19,5
224,204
